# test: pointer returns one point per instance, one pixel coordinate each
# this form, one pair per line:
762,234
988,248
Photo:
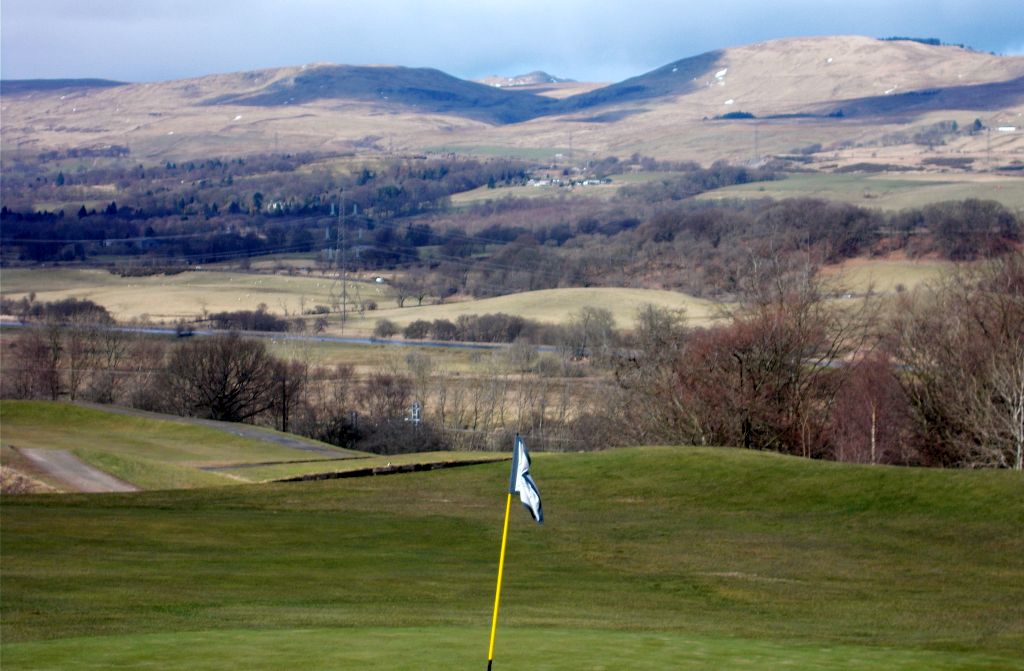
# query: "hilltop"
537,77
837,91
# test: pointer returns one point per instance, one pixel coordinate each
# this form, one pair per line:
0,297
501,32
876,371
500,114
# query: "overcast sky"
593,40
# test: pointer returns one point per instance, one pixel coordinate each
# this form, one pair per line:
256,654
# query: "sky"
592,40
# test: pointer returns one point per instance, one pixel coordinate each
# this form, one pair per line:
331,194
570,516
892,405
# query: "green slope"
690,558
146,451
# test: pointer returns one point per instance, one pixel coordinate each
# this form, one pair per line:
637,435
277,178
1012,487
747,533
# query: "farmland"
187,295
887,191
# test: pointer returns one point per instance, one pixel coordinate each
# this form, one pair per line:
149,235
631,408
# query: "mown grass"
152,473
148,452
685,557
550,648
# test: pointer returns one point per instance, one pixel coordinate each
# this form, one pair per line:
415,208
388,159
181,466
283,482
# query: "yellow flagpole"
497,591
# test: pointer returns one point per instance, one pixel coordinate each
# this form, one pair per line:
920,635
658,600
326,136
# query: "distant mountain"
535,78
424,89
809,89
16,86
808,76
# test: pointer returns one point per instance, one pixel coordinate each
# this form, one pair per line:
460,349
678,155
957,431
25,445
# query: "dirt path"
78,475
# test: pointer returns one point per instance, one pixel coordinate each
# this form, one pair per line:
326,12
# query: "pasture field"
186,295
658,557
379,356
555,306
884,275
885,191
181,296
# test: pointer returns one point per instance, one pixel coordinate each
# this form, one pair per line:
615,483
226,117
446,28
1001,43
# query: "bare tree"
962,346
223,377
870,421
766,379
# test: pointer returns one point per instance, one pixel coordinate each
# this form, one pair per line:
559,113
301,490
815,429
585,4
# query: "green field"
148,452
688,558
885,191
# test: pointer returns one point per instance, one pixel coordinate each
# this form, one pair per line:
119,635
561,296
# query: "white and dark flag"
522,483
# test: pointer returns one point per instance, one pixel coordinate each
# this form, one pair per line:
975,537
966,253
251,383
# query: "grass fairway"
147,452
649,558
551,648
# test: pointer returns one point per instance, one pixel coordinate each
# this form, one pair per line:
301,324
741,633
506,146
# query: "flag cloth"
522,483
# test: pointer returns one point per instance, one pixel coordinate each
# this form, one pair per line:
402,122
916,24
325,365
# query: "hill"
147,450
795,88
649,558
18,86
426,90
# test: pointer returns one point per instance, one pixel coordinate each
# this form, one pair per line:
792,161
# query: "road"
75,473
345,340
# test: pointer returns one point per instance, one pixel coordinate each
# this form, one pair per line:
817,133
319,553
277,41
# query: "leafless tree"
222,377
962,346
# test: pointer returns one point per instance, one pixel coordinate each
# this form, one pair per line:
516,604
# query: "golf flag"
522,483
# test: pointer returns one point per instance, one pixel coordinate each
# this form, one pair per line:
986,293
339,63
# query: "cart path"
78,475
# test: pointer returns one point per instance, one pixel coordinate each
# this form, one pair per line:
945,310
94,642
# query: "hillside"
649,558
147,450
792,86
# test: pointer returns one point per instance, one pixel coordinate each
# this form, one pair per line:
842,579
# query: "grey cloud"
159,39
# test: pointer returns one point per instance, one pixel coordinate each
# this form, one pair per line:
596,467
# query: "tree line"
936,380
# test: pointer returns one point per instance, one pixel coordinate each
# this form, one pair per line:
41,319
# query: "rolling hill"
796,89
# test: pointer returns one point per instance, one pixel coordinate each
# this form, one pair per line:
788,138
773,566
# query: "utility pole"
341,256
988,145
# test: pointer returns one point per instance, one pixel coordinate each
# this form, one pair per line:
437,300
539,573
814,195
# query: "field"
687,558
555,306
883,191
884,275
188,294
181,296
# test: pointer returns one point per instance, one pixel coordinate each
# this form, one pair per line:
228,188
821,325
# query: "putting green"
433,648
